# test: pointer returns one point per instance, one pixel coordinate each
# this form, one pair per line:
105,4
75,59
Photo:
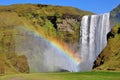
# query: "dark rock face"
64,23
99,61
118,31
53,20
110,35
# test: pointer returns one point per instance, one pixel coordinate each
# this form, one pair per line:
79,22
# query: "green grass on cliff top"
64,76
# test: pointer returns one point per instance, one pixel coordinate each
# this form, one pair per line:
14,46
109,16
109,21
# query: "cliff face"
57,22
109,59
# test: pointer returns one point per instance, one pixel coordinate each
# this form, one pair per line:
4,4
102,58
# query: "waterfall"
93,38
43,56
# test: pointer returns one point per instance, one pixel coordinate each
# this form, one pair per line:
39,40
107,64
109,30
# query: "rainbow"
57,44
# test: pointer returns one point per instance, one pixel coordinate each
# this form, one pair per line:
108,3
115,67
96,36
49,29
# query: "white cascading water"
93,38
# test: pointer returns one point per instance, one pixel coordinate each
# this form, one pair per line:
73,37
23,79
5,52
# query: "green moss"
50,30
115,28
59,20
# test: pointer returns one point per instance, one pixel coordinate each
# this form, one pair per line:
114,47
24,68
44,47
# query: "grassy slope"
8,22
44,9
34,17
64,76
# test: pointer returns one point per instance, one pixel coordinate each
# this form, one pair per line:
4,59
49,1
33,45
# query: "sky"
95,6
